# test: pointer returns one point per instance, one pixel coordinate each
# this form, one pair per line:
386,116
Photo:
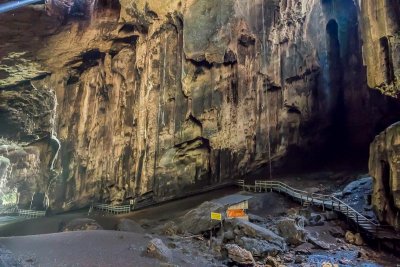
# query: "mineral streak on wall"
160,98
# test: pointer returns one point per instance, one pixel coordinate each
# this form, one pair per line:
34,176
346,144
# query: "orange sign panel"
235,213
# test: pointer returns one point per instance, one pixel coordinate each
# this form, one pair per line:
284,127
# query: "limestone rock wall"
384,166
157,99
381,34
381,53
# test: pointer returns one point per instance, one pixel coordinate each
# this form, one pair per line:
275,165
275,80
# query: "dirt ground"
88,248
37,242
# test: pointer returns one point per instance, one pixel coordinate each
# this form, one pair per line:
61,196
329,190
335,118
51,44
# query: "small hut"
236,205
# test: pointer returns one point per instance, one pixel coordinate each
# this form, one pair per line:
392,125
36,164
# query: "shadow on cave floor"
152,215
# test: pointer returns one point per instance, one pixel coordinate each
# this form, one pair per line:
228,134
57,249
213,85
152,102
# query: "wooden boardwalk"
330,202
13,209
112,209
31,213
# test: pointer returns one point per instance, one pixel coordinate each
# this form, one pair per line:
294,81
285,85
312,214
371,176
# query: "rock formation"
381,34
162,98
384,166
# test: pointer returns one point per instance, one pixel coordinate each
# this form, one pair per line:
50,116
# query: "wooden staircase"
330,202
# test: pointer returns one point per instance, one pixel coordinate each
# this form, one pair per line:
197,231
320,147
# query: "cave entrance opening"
336,103
40,201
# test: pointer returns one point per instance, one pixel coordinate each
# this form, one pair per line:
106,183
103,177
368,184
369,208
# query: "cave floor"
37,242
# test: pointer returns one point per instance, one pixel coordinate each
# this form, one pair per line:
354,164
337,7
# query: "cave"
336,88
199,133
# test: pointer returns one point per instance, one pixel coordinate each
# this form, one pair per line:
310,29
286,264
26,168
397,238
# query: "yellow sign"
216,216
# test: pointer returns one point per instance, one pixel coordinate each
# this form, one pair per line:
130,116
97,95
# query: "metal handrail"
31,213
325,201
112,208
316,196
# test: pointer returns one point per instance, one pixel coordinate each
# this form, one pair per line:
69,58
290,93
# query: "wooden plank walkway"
31,213
373,229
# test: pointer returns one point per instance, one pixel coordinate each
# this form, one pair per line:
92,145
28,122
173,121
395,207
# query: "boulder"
272,261
316,219
256,219
244,228
354,239
330,215
239,255
318,243
81,224
157,249
291,231
128,225
336,232
229,235
349,237
299,259
170,228
198,220
358,240
384,167
363,185
259,248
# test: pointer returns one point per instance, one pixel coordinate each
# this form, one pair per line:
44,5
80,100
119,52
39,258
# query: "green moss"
9,198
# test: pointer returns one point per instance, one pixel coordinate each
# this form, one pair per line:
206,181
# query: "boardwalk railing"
326,202
112,209
31,213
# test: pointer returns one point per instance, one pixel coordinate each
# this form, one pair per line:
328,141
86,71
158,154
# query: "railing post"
358,230
323,204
